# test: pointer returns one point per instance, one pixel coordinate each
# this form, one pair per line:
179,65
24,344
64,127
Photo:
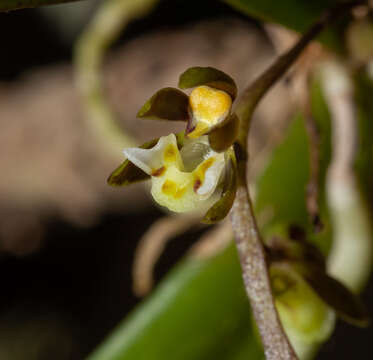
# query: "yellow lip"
209,107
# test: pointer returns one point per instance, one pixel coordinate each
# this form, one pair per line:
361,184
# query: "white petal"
212,176
149,160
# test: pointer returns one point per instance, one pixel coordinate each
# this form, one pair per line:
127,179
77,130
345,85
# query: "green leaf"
223,137
297,15
128,173
200,311
347,305
8,5
222,207
281,196
282,186
166,104
196,76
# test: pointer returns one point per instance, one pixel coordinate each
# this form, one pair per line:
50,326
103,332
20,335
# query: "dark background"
84,274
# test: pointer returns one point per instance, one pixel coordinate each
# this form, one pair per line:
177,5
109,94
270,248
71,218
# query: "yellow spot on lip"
180,193
206,164
170,154
199,173
170,188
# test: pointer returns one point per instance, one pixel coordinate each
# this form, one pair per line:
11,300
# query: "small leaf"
347,305
222,137
166,104
222,207
128,173
209,76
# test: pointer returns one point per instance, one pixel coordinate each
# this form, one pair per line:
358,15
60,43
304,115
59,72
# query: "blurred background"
67,240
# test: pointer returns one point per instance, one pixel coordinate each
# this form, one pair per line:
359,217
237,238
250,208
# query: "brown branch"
8,5
248,240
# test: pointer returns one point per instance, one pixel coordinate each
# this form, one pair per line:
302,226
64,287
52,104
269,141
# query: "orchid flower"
194,170
176,183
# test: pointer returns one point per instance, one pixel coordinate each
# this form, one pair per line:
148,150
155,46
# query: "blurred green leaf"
7,5
297,15
282,186
199,312
281,197
196,76
166,104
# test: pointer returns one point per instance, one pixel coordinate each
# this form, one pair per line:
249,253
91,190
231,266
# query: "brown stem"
256,280
248,240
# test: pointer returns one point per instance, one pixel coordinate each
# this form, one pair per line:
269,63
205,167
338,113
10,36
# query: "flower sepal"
222,207
208,76
222,137
128,173
166,104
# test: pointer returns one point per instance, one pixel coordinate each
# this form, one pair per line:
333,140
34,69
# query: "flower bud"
303,314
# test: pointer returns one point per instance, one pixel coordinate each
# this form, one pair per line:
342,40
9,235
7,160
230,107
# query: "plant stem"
8,5
248,240
105,27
